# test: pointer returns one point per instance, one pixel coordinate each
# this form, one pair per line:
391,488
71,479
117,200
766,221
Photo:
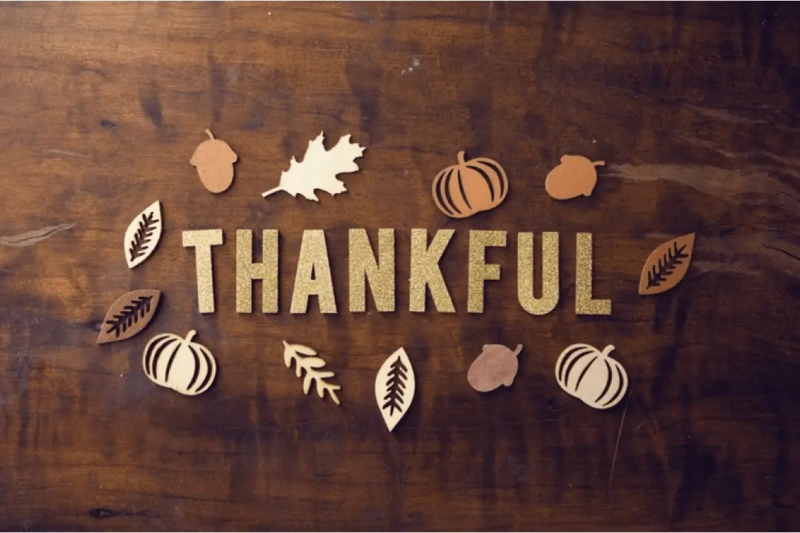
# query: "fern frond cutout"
143,234
667,265
394,387
304,360
129,315
147,226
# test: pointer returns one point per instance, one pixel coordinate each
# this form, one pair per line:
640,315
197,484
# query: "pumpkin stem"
190,335
608,349
210,135
461,158
516,352
599,163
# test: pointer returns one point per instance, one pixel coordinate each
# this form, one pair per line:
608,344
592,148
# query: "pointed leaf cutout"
667,265
129,315
143,234
319,169
295,352
394,387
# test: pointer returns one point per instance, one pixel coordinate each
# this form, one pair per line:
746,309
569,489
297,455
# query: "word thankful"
313,273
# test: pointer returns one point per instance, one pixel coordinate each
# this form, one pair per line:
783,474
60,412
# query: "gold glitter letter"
525,273
363,266
479,271
202,241
584,304
313,275
425,271
247,271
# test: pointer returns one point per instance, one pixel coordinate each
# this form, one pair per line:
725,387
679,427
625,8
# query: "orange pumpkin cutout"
470,187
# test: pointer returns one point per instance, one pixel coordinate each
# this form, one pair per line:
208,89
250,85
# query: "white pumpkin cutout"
592,376
179,364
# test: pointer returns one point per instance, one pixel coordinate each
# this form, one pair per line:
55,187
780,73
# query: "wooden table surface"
696,110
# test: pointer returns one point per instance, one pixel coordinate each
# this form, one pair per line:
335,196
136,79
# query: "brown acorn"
214,161
575,176
495,366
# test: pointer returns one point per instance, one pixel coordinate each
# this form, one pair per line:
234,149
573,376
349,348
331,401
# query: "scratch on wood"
781,250
616,447
32,237
790,196
742,154
65,152
101,513
755,187
725,115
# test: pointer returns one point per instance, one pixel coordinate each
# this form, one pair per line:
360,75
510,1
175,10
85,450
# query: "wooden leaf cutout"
303,358
319,169
667,265
394,387
129,315
143,234
304,350
313,362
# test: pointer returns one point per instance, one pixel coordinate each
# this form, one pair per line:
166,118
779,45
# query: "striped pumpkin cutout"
470,187
179,364
592,376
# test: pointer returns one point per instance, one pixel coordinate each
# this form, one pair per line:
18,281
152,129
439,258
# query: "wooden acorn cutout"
592,376
575,176
469,187
179,364
143,234
214,160
129,315
667,265
395,385
495,366
304,359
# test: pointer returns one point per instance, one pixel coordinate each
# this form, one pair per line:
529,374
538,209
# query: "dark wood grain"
694,107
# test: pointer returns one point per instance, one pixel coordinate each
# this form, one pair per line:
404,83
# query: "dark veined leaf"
667,265
129,315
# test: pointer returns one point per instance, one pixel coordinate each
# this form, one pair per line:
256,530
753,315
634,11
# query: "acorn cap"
212,152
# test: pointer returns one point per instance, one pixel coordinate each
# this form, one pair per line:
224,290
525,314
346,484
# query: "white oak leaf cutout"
304,358
394,387
319,168
143,234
